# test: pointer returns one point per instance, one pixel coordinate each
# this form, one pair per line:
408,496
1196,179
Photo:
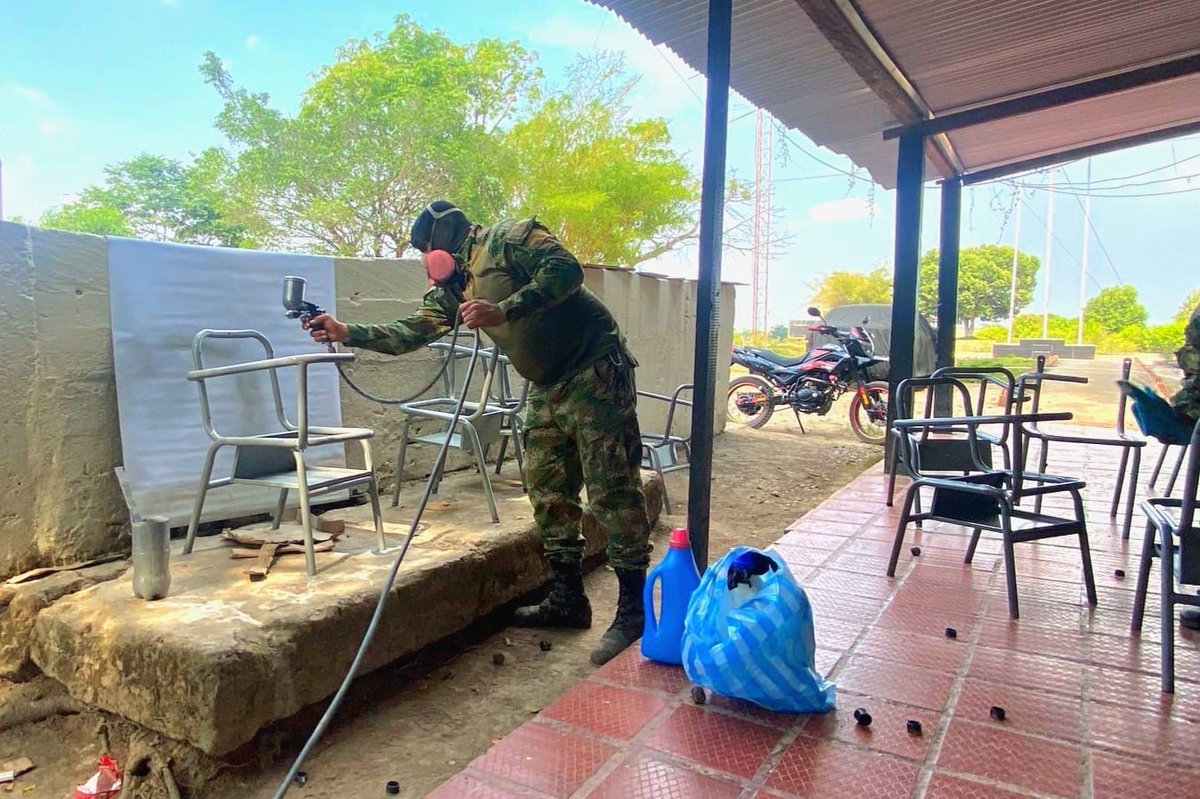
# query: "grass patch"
1015,364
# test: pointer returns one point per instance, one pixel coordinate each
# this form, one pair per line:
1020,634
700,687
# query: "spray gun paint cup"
151,558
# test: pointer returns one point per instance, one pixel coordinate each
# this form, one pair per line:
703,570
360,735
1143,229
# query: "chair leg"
377,512
899,541
1162,456
487,481
1010,565
1043,460
1175,472
891,489
971,547
1116,497
500,454
198,507
279,509
1167,573
310,555
1132,495
1143,580
399,473
1085,550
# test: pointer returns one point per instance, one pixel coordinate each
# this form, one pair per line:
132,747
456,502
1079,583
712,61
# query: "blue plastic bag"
749,635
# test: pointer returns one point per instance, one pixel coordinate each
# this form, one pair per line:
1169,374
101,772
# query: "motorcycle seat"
767,355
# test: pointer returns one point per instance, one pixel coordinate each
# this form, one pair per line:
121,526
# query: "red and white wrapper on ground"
104,784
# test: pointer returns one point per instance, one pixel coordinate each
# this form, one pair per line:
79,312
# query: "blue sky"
86,84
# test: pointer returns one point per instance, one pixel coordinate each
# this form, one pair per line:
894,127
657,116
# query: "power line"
821,161
1101,181
1060,242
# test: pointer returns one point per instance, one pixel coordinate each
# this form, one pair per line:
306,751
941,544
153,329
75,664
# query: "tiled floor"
1084,716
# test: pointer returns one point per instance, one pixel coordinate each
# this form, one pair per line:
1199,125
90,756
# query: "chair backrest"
198,363
905,409
673,402
1189,533
996,377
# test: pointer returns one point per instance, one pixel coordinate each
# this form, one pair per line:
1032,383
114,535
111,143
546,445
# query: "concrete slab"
220,657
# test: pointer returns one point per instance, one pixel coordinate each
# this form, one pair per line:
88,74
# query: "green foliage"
778,333
992,333
1116,308
984,283
1162,339
151,197
103,220
610,186
853,288
1189,306
411,116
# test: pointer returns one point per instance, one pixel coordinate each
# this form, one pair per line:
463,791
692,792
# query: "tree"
984,283
103,220
610,186
779,332
150,197
853,288
1116,308
393,123
1189,306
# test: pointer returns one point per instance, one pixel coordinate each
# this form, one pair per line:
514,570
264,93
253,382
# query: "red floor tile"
811,539
753,712
545,759
874,565
630,668
1025,710
924,620
798,556
646,776
1023,635
958,575
714,740
829,770
604,709
1147,736
908,685
944,786
1125,653
838,605
465,786
1115,777
1028,671
887,732
940,654
1143,692
835,633
1031,763
862,585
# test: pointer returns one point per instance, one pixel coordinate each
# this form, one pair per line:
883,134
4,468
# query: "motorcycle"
812,383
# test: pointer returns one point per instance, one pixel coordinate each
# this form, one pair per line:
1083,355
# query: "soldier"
1187,401
516,281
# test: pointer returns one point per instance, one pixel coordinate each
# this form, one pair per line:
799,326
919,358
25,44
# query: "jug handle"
648,601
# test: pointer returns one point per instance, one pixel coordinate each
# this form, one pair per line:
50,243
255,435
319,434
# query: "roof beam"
1087,151
1051,98
849,34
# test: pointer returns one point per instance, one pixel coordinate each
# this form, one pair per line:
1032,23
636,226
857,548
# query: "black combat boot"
567,605
631,617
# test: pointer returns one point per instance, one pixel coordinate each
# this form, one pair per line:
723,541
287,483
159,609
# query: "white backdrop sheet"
161,296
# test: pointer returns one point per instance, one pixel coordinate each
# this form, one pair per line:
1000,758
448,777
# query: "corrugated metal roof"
957,54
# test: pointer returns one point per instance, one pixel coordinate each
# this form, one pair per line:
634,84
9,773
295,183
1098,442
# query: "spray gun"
296,306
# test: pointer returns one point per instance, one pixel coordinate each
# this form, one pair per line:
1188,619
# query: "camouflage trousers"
584,431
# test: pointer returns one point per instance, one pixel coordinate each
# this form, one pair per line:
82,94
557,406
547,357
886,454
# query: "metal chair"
1003,382
478,427
667,453
1177,538
276,459
988,498
1029,389
950,450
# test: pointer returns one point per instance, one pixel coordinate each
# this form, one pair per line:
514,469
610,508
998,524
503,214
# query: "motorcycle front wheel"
868,419
749,401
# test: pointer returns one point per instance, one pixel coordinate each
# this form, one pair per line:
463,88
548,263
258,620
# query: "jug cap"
679,539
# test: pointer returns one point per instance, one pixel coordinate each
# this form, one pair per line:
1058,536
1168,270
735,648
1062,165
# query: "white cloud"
252,41
35,96
848,209
50,126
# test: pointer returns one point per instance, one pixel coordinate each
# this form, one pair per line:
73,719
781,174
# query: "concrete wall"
59,427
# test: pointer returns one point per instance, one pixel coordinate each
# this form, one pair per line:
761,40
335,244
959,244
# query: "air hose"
373,627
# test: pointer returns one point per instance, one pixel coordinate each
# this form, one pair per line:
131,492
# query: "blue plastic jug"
662,640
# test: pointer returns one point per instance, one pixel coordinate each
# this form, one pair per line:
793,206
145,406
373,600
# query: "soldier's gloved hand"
481,313
327,330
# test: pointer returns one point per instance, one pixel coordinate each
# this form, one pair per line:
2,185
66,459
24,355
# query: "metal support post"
712,210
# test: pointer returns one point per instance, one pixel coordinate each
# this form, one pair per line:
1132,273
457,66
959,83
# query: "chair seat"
318,478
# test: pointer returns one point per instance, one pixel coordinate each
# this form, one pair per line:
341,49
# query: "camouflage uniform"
581,424
1187,401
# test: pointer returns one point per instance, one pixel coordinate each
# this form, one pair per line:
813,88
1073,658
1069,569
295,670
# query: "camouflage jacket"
1187,401
555,327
